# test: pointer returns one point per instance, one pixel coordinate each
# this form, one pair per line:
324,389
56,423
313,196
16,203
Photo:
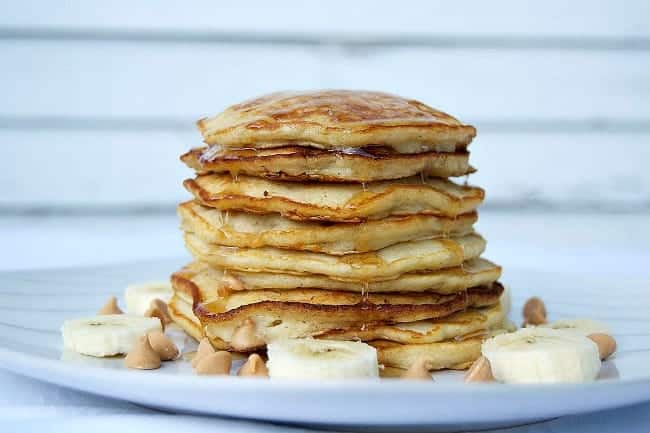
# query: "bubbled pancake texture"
330,214
335,119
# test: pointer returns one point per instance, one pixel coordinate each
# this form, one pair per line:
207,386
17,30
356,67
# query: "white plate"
34,304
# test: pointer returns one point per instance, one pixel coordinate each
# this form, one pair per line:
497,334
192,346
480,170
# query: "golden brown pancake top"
332,119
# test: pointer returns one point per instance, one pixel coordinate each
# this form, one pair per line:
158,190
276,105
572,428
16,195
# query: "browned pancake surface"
331,119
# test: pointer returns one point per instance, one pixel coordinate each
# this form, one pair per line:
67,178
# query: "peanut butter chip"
245,337
159,309
205,348
419,370
534,312
163,345
480,371
606,344
110,307
254,366
214,363
142,356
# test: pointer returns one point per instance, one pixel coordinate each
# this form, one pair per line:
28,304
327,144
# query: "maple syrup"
364,291
366,152
210,153
364,301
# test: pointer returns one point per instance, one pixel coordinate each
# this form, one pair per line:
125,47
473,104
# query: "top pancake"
336,119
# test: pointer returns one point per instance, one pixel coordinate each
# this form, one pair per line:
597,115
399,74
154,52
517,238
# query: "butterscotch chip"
245,337
159,309
254,366
419,370
480,371
142,356
110,307
163,345
217,363
204,349
534,312
606,344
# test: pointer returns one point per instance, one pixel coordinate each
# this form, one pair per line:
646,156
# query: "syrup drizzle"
364,292
210,153
223,290
364,301
359,151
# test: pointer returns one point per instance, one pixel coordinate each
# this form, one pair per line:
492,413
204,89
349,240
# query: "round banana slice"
542,355
321,359
106,335
139,296
579,326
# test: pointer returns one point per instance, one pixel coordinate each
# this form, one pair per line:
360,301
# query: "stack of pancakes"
329,214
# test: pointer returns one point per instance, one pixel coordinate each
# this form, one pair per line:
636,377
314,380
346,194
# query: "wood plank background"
99,99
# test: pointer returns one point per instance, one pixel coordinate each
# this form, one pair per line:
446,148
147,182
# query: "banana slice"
542,355
321,359
139,296
106,335
579,326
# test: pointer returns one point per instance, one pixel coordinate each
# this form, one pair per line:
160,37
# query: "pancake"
303,313
180,310
291,319
472,321
454,355
457,354
241,229
385,264
335,119
296,163
335,201
215,281
426,331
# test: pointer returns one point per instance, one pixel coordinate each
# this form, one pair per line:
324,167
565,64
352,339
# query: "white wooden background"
98,99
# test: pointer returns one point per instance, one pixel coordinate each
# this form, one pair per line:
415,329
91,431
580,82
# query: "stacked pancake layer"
330,215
